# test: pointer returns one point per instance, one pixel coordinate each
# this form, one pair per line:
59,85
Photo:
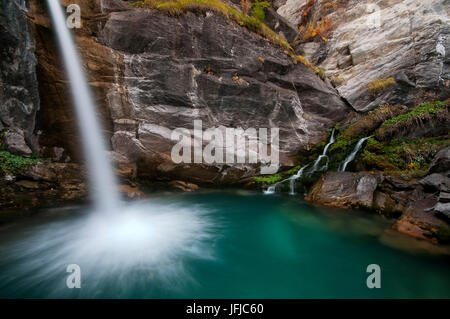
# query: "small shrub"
246,5
314,29
308,7
380,84
258,10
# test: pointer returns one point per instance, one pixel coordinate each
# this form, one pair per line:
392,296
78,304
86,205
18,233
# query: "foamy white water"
143,248
324,154
102,181
352,155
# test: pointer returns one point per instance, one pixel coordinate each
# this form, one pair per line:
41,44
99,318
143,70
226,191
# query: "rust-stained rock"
416,221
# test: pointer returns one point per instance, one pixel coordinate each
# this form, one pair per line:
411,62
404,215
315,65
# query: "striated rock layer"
152,73
408,40
19,95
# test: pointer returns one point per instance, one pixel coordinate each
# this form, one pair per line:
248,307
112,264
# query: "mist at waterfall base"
214,245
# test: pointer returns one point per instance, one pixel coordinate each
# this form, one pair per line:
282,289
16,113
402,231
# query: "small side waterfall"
272,189
102,181
293,178
352,155
324,154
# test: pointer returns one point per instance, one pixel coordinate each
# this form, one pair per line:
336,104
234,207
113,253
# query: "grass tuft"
380,84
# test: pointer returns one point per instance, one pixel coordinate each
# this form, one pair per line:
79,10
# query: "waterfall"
102,181
272,189
294,178
323,155
352,155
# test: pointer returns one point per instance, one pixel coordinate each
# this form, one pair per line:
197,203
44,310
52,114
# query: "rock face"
152,73
19,95
205,68
406,40
344,190
439,182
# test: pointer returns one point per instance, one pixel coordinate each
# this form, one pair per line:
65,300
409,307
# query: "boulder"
441,162
344,190
15,142
443,209
384,204
436,183
419,223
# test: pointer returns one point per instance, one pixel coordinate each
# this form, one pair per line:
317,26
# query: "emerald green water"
213,245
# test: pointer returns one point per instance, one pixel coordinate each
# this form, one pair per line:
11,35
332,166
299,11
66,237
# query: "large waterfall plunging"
101,178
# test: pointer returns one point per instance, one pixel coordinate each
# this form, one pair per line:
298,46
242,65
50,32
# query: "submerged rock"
417,222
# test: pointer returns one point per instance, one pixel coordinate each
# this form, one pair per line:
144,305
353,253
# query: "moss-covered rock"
426,120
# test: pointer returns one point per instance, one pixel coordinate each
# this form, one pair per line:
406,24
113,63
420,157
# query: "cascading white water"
324,154
352,155
102,181
295,177
272,189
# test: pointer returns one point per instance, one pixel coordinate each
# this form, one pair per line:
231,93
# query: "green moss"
272,179
401,155
10,163
269,179
258,10
427,108
380,84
